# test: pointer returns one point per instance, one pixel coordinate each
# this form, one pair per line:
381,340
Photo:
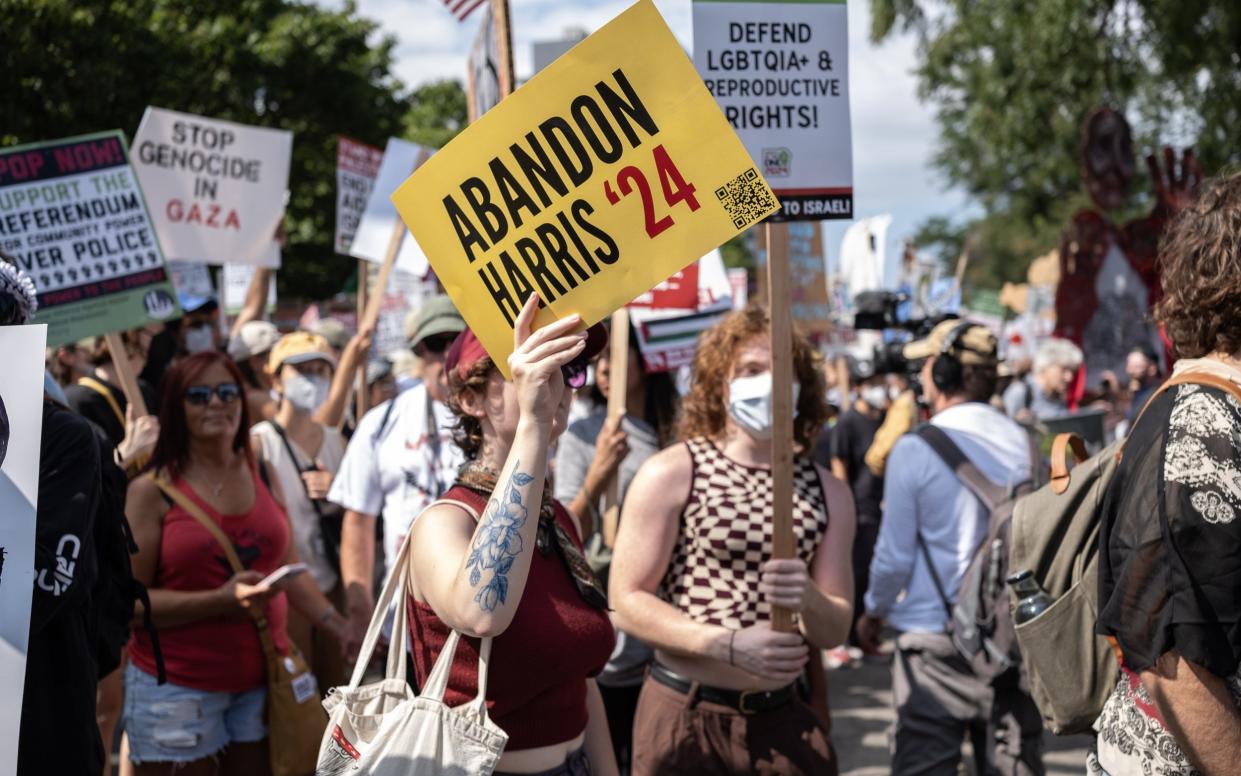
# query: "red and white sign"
357,164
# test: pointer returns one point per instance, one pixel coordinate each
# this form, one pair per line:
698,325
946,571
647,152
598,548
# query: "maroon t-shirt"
536,688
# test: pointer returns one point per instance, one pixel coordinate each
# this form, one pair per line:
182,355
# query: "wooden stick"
504,38
361,395
125,373
618,382
781,404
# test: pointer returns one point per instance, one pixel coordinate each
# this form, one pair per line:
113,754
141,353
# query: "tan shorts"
678,734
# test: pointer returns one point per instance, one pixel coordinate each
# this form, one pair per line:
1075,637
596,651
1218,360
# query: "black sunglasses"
574,374
435,344
200,395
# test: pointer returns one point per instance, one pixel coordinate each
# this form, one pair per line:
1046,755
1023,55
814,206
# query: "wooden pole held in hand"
778,308
360,394
618,381
125,373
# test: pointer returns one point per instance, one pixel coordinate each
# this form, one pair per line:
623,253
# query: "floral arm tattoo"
498,542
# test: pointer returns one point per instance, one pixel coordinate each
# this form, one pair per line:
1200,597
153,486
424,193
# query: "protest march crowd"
523,542
639,641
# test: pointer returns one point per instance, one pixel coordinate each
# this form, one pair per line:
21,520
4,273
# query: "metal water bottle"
1032,599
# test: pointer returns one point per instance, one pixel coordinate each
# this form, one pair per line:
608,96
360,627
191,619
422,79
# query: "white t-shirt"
401,468
307,536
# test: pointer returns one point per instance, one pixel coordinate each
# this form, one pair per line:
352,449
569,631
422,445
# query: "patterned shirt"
1169,575
726,537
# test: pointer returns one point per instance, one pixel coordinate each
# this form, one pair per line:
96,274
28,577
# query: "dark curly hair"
1200,262
468,433
704,411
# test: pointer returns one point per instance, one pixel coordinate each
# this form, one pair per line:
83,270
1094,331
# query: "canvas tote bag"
384,729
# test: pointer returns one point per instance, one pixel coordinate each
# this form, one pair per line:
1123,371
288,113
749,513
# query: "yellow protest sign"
600,177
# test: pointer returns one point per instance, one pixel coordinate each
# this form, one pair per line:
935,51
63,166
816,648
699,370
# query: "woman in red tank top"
209,717
498,557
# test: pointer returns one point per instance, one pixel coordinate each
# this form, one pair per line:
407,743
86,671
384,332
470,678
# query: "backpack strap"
102,390
990,494
234,562
939,585
288,448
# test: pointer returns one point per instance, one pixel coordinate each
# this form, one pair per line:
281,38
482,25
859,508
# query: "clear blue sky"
894,135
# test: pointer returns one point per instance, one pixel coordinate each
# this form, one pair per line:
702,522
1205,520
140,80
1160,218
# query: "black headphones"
947,372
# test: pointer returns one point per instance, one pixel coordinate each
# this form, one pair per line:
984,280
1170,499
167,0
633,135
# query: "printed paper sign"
21,426
405,292
380,219
780,71
810,304
669,342
604,174
191,279
357,164
483,82
73,215
216,188
235,284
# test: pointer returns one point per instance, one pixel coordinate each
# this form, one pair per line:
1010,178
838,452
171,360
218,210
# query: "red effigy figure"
1109,279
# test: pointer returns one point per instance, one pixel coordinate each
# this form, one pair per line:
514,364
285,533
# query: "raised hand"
1173,191
537,358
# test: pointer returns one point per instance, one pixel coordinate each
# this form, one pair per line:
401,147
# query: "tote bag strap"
394,586
437,682
102,390
217,533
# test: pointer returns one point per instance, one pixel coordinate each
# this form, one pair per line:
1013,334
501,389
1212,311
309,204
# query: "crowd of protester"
627,633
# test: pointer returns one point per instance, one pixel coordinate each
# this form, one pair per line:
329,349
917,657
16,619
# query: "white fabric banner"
216,189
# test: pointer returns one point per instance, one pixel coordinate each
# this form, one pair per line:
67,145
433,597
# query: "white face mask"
198,339
875,395
307,393
749,404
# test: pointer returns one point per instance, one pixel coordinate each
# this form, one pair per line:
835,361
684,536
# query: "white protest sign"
21,428
357,164
379,219
234,285
191,279
405,292
216,188
780,72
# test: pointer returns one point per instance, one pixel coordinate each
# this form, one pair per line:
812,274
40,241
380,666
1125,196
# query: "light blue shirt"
921,494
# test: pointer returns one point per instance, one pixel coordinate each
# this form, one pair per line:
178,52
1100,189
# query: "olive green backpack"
1055,534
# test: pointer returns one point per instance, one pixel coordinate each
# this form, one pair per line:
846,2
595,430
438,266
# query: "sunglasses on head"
200,395
574,374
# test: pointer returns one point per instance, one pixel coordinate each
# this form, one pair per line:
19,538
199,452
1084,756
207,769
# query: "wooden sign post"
618,382
125,373
360,393
504,39
370,302
778,308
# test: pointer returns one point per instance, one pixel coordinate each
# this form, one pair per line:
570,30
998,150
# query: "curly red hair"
704,411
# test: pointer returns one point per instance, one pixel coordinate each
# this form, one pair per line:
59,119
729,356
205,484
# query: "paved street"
862,711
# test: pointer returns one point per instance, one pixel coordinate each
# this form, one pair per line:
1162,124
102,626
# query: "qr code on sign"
745,198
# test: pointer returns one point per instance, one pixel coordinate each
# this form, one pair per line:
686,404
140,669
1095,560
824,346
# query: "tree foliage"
76,66
1011,80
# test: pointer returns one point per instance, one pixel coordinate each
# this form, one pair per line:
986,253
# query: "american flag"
462,8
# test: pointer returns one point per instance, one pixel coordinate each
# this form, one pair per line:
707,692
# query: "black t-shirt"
93,406
1170,539
850,439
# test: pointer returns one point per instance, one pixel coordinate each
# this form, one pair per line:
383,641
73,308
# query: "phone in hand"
283,574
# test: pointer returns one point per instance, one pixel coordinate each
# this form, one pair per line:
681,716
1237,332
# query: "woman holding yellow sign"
499,561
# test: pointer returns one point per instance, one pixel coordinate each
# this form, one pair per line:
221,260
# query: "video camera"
889,311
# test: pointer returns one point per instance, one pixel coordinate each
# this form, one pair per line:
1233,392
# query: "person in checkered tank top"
693,574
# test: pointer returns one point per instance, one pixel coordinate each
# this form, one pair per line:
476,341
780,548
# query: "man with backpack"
942,485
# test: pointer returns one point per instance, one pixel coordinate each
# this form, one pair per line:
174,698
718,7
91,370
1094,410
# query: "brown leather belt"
744,701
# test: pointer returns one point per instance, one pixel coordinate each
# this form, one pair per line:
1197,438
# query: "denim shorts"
179,724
